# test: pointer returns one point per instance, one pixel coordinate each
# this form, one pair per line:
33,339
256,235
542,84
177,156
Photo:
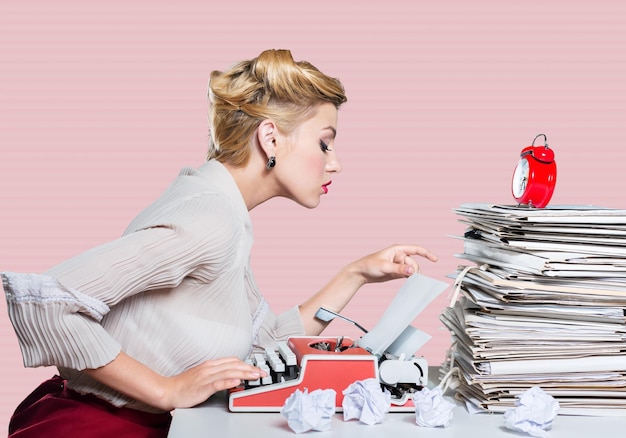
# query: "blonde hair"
270,86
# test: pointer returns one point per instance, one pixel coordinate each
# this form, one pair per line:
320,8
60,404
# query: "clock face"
520,178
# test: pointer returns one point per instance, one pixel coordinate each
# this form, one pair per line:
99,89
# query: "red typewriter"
385,353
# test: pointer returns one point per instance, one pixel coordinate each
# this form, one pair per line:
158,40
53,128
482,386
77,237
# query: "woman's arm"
390,263
184,390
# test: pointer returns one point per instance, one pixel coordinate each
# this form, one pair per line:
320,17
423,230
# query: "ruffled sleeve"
279,327
38,306
269,327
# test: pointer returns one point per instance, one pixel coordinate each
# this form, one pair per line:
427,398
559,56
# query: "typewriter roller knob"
392,372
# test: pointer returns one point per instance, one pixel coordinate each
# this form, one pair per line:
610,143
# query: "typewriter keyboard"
280,365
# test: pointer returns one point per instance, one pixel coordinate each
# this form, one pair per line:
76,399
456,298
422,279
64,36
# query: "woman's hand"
198,383
390,263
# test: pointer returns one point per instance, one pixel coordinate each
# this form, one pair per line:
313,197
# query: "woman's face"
308,159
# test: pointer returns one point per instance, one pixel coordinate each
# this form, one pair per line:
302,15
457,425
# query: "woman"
162,317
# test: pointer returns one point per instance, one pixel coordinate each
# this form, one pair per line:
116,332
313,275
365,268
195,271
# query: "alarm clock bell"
534,177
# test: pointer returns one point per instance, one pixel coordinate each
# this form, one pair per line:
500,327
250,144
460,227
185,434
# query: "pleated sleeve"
56,315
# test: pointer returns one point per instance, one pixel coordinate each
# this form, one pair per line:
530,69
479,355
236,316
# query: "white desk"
212,419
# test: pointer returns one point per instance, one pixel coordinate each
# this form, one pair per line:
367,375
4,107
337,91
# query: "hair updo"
270,86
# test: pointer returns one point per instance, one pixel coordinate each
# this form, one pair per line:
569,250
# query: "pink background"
101,105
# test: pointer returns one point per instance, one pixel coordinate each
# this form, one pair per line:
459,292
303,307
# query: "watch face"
520,178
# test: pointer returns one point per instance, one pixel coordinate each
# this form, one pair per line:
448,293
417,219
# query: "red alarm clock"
535,175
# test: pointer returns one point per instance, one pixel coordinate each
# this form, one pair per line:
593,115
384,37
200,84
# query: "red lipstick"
325,186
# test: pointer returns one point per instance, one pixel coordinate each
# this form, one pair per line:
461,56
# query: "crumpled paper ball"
431,409
306,411
365,401
534,413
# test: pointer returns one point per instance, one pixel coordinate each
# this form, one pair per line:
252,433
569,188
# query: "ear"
266,136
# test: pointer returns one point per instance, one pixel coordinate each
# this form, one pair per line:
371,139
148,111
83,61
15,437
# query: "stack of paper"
541,303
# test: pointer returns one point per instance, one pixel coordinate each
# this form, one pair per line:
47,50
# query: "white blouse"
175,290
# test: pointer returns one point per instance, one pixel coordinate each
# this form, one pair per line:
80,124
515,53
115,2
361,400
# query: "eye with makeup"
324,146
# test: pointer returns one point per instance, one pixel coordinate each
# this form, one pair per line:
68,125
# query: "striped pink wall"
101,105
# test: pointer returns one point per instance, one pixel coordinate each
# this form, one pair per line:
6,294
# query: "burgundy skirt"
52,410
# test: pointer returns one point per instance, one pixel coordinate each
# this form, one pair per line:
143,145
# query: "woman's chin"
309,203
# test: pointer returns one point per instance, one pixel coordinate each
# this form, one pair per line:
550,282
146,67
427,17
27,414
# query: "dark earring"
270,163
